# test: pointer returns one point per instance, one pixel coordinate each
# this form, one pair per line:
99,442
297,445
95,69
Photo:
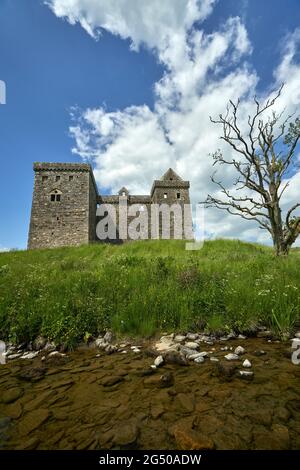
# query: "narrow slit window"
71,178
178,195
57,178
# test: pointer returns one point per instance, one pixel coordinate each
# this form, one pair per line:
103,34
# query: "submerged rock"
199,359
175,357
246,374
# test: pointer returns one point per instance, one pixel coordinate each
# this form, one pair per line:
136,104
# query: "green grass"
141,288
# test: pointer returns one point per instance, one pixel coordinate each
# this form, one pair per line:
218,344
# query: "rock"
247,363
124,352
259,353
111,348
109,337
191,345
157,410
192,336
194,356
297,335
166,344
136,350
214,359
125,434
14,410
226,371
146,372
50,346
100,343
30,444
39,343
175,357
246,374
110,381
153,367
199,360
14,356
179,338
231,357
56,354
224,338
32,421
225,348
31,374
239,350
264,334
276,439
187,351
187,401
188,439
242,337
295,342
282,413
11,395
29,355
166,380
159,361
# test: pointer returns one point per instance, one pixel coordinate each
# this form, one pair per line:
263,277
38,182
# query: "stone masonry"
65,201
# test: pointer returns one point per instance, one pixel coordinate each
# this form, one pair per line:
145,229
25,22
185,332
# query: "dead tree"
265,156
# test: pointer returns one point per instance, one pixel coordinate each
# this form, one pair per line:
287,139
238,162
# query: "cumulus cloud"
202,72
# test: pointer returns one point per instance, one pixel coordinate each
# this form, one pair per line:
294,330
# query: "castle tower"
172,190
64,205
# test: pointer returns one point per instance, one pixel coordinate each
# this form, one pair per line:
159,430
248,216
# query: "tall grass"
141,288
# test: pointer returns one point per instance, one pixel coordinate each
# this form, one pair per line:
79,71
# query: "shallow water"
89,402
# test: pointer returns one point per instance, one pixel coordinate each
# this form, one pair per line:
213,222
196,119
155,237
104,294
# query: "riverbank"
92,398
145,287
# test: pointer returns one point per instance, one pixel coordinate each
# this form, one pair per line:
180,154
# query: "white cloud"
202,73
3,249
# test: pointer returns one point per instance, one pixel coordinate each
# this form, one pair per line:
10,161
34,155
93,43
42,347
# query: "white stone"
158,361
247,363
199,359
214,359
246,373
297,335
295,341
30,355
136,350
194,356
56,353
124,352
242,337
153,366
225,348
231,357
239,350
192,336
179,338
191,345
14,356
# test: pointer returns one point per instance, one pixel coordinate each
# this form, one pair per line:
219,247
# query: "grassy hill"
141,288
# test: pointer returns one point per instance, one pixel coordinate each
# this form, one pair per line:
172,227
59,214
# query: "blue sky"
50,66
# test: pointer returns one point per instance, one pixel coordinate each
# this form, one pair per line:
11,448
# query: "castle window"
178,195
71,178
165,195
55,196
44,178
57,178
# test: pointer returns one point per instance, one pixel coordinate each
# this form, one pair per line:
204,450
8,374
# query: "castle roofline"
58,166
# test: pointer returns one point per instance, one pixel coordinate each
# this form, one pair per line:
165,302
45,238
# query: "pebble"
56,353
231,357
260,352
225,348
242,337
246,373
153,366
247,363
124,352
297,335
199,360
192,345
192,336
14,356
179,338
158,361
214,359
239,350
136,350
29,355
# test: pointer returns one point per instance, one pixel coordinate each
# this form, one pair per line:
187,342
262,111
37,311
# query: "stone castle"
66,198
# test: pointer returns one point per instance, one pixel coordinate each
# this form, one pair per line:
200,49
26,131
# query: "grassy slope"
143,287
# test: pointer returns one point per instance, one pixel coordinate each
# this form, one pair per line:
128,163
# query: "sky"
129,86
